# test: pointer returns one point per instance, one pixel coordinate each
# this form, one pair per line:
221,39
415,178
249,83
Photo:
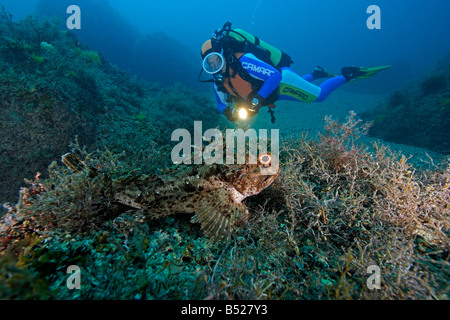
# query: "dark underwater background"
129,77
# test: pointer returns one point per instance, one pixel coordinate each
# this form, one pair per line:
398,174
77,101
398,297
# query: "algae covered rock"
55,89
418,114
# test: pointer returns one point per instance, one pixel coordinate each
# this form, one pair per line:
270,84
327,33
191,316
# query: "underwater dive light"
243,113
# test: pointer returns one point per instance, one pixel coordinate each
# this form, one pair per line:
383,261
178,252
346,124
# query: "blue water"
413,34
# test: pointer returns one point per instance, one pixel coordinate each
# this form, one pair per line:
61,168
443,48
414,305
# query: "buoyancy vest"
240,84
234,83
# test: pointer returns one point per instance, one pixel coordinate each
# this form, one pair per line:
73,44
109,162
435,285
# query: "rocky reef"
153,56
55,89
418,114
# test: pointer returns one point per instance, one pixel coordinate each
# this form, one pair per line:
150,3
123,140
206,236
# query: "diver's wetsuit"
291,86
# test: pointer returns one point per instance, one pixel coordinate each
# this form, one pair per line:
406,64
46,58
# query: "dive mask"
213,63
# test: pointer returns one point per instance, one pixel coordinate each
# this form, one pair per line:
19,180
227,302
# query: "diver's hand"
255,105
231,114
252,111
235,113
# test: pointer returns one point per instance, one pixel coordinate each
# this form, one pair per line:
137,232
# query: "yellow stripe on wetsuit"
296,87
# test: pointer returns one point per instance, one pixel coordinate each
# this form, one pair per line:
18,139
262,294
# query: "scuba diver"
248,74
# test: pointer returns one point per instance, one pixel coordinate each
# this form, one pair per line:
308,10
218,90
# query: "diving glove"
255,105
242,113
231,114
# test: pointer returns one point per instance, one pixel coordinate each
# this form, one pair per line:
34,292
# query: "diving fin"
368,72
357,73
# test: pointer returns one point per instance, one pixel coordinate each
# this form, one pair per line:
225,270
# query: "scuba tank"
258,47
238,40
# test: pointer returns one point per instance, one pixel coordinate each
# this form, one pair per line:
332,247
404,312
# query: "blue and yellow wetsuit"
287,85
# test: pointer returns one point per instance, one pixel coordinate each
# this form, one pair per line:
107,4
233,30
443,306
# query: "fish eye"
265,159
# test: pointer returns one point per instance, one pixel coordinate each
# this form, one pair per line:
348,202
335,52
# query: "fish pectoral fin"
77,165
218,214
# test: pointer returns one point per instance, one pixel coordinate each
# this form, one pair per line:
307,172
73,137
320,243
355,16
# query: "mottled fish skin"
214,193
